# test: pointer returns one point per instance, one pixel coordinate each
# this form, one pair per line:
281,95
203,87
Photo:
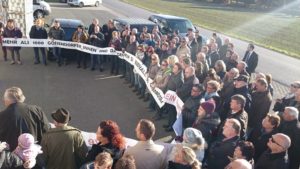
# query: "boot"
146,98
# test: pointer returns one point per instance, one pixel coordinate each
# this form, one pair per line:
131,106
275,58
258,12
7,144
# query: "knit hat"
209,106
27,150
61,115
192,136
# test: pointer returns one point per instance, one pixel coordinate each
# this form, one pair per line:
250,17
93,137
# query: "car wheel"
97,4
81,4
38,14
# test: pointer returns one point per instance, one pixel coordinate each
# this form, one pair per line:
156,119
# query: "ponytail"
196,164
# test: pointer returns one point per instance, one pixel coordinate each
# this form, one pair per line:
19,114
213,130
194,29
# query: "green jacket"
63,148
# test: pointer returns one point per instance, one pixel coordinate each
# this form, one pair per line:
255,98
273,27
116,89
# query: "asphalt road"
284,69
88,95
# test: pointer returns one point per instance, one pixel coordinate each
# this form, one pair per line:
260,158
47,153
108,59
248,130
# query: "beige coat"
148,155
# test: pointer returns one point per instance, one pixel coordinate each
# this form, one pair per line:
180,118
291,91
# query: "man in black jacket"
19,118
39,32
291,127
221,150
261,102
189,111
214,55
260,136
276,156
184,91
240,87
57,33
251,58
237,112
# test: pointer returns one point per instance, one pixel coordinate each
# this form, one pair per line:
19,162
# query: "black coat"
222,52
189,111
242,117
292,129
115,152
272,161
219,153
260,138
214,56
252,62
194,49
260,106
279,106
36,33
98,41
21,118
184,92
173,165
208,126
242,91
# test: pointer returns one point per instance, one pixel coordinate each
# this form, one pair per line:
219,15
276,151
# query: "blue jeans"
57,53
96,59
37,56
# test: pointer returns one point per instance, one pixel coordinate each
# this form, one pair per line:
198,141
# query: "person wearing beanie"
63,146
207,120
193,139
27,150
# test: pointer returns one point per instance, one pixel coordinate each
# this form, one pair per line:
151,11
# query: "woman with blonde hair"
184,158
172,60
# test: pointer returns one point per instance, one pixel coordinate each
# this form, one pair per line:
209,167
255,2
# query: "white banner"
172,98
139,67
24,42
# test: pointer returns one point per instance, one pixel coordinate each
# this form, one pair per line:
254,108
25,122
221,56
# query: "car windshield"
181,25
69,33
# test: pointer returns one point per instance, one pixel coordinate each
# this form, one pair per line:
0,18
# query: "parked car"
69,26
137,23
82,3
41,9
168,23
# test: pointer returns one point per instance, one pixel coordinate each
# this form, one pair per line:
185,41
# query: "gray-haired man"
18,118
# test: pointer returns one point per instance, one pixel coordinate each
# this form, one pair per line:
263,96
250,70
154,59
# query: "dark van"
137,23
168,23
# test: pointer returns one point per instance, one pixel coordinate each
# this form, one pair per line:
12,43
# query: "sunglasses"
273,141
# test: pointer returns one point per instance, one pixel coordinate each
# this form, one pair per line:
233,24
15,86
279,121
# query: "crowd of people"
227,117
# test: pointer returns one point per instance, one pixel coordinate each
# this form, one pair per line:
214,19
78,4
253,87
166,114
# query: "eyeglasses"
273,141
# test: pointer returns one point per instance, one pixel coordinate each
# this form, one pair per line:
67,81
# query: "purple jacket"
14,33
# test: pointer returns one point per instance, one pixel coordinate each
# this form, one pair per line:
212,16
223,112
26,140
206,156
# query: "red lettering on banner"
173,98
